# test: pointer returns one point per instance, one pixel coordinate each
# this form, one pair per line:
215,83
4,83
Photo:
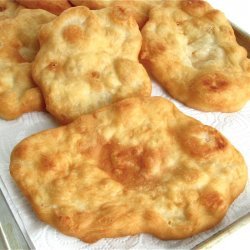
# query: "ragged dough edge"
131,219
15,103
123,76
54,6
211,77
138,9
18,92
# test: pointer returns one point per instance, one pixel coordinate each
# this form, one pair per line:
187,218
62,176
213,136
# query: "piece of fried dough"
89,59
19,45
8,8
94,4
191,49
54,6
139,9
136,166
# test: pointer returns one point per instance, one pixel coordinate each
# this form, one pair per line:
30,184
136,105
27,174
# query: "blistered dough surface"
19,45
137,166
139,9
89,59
191,49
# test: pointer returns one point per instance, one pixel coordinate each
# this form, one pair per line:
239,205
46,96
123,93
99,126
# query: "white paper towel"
235,126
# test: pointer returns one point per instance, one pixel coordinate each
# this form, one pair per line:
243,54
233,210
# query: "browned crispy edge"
156,229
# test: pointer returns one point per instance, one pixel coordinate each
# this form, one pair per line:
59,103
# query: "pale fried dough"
190,48
137,166
19,45
89,59
139,9
8,8
53,6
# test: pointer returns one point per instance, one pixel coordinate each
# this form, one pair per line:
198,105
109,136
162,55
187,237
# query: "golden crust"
89,59
130,168
54,6
19,44
18,94
139,9
191,49
8,8
94,4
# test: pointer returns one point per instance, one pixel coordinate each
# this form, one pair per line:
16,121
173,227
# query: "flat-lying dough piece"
191,49
139,9
89,59
137,166
54,6
19,45
8,8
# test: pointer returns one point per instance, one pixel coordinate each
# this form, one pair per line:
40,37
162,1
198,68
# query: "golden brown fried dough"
54,6
8,8
137,166
94,4
19,45
89,59
191,49
139,9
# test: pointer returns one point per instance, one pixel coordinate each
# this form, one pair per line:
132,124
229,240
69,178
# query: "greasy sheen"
136,166
191,49
89,59
54,6
139,9
19,45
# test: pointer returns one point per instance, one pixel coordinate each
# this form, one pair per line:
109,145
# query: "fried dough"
54,6
19,45
89,59
139,9
136,166
8,8
191,49
94,4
